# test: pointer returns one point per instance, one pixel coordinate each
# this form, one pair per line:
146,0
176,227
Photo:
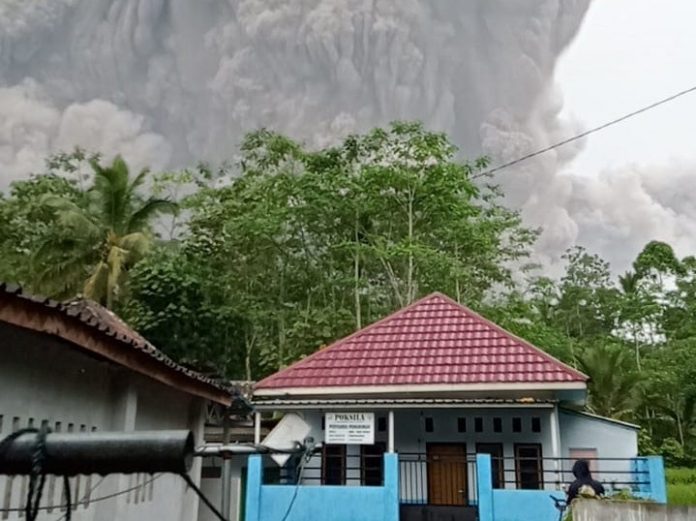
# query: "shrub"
681,486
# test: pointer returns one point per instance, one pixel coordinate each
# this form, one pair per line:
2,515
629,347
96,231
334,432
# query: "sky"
630,53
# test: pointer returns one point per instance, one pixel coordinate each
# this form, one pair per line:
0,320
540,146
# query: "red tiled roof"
433,341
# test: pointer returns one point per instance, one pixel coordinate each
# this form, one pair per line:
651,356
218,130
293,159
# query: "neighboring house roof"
95,329
435,344
597,417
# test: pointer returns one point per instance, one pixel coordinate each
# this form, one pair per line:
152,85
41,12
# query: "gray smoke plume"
168,82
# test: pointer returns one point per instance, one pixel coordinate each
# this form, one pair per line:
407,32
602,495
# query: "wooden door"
446,474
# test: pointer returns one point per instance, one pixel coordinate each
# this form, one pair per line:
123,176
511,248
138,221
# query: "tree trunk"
356,275
410,290
680,430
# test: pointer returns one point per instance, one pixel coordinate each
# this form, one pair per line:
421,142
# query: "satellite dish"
291,430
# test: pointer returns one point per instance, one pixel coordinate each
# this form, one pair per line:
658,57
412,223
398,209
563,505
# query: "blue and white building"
437,413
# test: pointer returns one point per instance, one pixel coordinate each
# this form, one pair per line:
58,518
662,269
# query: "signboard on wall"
349,428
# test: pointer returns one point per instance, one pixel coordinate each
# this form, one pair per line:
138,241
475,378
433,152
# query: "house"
76,367
436,413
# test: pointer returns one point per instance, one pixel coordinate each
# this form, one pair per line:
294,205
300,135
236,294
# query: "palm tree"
613,381
96,242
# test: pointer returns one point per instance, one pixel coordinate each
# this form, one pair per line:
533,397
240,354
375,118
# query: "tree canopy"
268,258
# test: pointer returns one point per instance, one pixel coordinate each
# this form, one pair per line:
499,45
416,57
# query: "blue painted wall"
325,503
651,471
537,505
525,505
511,505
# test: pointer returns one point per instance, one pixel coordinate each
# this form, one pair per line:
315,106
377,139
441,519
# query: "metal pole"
226,470
556,442
390,447
257,427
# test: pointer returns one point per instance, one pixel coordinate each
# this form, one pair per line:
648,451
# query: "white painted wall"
610,439
576,432
212,488
43,380
411,437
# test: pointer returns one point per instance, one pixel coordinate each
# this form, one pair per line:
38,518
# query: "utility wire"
203,497
587,132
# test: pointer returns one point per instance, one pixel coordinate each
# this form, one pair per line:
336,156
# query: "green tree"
98,239
587,298
614,382
638,313
670,393
25,223
310,244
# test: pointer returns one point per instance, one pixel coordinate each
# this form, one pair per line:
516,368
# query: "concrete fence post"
253,488
484,484
658,482
391,487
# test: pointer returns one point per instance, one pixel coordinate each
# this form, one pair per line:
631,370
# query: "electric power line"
588,132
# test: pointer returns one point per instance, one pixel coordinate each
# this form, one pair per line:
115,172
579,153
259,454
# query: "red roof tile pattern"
433,341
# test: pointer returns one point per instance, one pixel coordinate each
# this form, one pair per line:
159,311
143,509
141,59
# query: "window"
429,425
536,424
497,425
589,455
529,467
461,424
333,465
496,452
478,424
381,424
517,425
371,459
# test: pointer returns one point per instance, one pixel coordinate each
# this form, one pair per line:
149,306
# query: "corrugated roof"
433,341
107,324
597,417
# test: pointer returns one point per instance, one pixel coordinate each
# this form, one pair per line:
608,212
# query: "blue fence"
523,505
325,502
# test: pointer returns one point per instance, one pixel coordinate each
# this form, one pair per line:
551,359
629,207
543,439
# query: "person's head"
581,469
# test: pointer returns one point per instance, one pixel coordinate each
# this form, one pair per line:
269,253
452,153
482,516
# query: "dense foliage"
241,270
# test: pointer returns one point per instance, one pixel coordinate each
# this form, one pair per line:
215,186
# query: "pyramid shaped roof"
433,344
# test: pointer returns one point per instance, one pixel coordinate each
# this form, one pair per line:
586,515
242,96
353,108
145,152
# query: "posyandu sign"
350,428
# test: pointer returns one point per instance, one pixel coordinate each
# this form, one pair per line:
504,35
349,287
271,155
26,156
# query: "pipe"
69,454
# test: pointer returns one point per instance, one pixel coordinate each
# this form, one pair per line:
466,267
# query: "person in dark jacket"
584,485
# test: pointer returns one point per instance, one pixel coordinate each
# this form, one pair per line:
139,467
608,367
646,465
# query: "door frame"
465,487
363,457
540,458
343,458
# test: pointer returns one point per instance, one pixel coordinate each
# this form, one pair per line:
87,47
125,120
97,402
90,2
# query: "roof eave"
422,389
41,318
388,404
